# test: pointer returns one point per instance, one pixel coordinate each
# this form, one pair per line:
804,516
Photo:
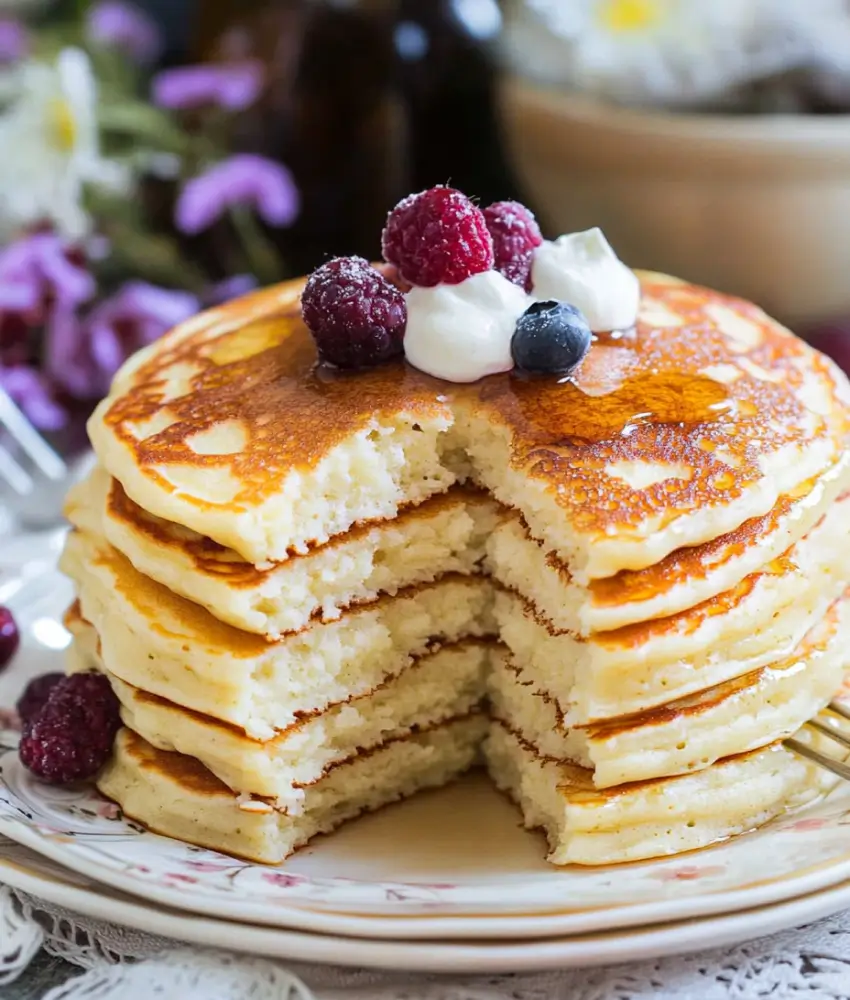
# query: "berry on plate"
10,637
72,736
35,695
550,338
515,235
437,237
356,316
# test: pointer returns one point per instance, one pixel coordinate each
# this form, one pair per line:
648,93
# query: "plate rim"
590,951
423,927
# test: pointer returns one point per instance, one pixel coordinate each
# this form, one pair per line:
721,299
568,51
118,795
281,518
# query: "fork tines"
26,459
838,767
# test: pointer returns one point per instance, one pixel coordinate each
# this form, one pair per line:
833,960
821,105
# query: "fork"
32,476
830,763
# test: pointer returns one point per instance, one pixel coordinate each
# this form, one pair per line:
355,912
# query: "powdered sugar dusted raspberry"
35,695
71,737
515,235
356,316
437,237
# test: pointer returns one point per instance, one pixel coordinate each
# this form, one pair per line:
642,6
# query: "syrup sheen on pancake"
667,437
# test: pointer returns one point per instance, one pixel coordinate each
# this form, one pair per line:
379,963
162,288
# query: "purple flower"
229,288
45,267
122,25
14,44
83,355
29,389
243,179
232,85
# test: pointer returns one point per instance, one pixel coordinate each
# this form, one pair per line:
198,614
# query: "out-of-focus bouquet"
745,55
126,202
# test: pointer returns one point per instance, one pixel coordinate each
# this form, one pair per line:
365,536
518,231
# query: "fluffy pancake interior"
439,686
751,711
163,644
443,535
649,819
175,795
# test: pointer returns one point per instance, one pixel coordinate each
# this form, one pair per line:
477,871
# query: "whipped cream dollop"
463,332
582,269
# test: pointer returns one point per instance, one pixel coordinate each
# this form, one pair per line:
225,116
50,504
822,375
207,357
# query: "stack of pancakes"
316,592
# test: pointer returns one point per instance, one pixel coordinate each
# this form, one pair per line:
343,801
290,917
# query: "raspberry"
356,316
71,737
35,695
10,637
515,235
437,236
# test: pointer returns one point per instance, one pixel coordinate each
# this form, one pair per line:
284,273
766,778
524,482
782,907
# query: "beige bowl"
756,206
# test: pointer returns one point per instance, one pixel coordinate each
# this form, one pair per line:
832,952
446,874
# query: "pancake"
167,646
642,666
295,578
685,578
439,686
651,819
177,796
670,436
690,734
445,534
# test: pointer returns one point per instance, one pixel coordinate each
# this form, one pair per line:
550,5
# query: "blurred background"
159,156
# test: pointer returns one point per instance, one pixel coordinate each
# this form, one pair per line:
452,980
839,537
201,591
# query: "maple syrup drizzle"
561,410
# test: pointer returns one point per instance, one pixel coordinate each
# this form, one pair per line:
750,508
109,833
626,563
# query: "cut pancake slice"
161,643
641,666
177,796
444,534
686,577
435,687
234,434
752,711
589,826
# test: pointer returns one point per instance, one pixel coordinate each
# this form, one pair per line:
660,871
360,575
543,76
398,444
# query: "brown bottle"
333,112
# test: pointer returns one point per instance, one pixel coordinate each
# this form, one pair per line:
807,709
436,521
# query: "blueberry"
550,338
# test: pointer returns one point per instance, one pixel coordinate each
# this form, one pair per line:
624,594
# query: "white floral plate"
448,864
30,873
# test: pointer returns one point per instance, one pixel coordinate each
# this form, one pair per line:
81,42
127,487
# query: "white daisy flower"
50,148
662,51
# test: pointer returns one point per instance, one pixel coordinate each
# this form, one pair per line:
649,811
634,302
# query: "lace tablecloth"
118,964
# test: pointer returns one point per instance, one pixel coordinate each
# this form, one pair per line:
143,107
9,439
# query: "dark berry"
515,235
356,316
10,637
550,337
35,695
437,237
834,340
71,737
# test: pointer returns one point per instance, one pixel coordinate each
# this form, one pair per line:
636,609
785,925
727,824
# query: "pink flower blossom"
802,825
122,25
244,179
689,873
234,86
13,41
282,880
83,354
32,393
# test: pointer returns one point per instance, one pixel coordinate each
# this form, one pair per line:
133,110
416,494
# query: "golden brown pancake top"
705,381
